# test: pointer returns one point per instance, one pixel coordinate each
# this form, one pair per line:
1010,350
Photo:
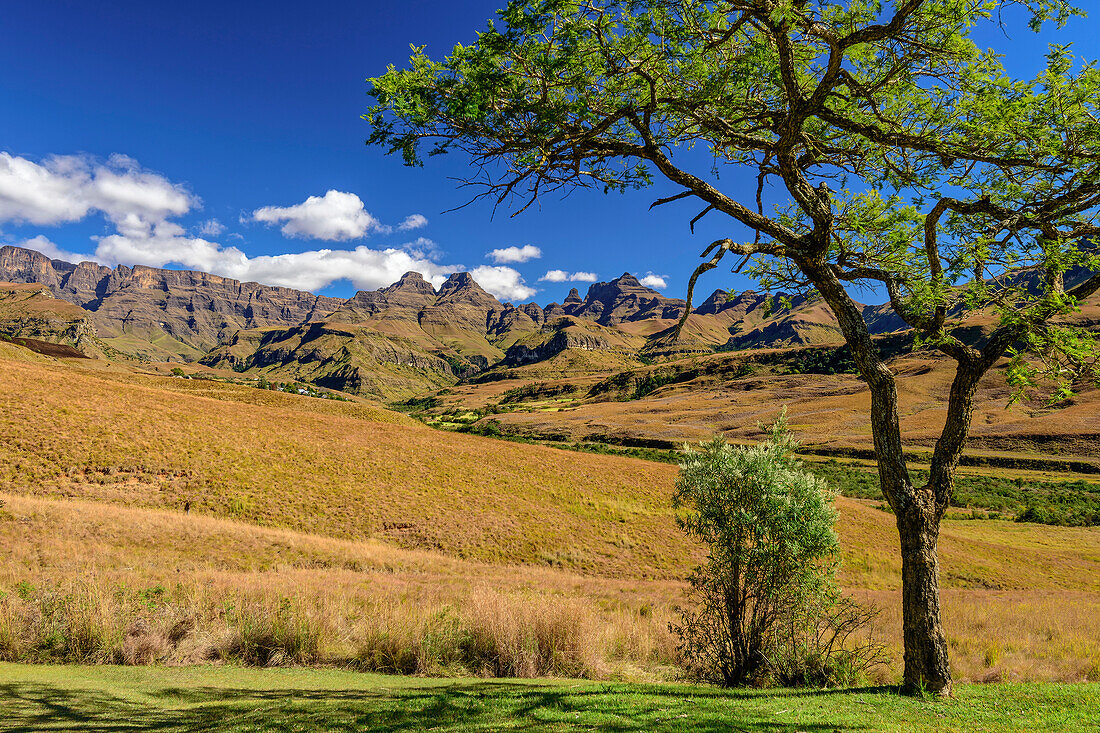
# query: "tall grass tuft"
492,635
269,634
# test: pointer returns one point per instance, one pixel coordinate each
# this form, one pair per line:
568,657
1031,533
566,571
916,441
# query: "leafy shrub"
766,602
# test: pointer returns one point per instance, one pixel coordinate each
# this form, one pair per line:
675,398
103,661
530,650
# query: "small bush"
766,603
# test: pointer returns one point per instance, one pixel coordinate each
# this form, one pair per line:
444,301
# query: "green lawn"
110,699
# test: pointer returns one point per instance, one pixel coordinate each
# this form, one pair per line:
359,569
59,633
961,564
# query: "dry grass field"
826,410
153,518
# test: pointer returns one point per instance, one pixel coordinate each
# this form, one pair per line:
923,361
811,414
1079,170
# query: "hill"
221,494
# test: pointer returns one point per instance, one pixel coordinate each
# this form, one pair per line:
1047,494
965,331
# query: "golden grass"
827,410
326,531
135,574
333,468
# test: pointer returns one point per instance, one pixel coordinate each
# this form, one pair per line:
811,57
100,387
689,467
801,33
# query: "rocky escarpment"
528,353
621,300
137,307
30,311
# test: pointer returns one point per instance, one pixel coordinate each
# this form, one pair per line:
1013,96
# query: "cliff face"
136,307
30,311
389,343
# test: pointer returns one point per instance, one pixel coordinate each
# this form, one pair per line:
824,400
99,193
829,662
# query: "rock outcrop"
136,307
30,311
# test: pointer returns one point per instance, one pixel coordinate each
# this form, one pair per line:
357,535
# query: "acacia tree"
890,150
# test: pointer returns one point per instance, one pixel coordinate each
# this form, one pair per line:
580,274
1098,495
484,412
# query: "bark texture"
926,662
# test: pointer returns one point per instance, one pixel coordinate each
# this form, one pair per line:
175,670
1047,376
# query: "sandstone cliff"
163,313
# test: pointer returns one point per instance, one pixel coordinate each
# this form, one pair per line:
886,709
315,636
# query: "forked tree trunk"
926,663
918,510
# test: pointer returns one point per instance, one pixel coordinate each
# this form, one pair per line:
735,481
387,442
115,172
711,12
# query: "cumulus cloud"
654,281
562,276
211,228
50,249
336,216
66,188
142,205
503,282
413,221
513,255
365,268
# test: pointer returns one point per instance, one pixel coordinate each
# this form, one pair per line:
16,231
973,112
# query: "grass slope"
234,700
344,470
342,506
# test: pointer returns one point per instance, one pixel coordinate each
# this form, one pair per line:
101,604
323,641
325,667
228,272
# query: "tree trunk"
926,664
918,509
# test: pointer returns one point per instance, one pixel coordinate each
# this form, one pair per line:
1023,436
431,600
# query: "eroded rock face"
404,299
196,309
621,300
520,354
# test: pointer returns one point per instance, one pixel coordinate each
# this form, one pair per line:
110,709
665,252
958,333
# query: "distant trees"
766,602
889,151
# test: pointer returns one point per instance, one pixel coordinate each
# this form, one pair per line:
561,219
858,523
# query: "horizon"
435,287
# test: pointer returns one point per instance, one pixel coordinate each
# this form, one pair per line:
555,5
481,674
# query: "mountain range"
404,338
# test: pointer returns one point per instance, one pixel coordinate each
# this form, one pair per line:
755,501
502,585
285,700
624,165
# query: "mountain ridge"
408,336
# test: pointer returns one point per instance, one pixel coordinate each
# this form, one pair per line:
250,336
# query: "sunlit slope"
355,471
344,470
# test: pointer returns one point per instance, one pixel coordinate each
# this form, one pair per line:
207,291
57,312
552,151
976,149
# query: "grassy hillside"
139,497
691,399
356,471
344,470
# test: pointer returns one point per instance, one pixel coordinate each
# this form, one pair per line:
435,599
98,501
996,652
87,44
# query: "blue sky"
209,135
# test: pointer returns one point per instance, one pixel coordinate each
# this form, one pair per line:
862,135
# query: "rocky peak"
402,299
624,299
573,297
411,284
717,301
461,287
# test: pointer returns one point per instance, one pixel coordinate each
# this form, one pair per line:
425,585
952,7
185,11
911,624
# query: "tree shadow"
461,706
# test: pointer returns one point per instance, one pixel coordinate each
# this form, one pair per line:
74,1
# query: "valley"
476,460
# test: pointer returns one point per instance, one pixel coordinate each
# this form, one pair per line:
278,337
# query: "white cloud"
503,282
413,221
50,249
512,255
141,206
336,216
365,268
654,281
211,228
64,189
561,276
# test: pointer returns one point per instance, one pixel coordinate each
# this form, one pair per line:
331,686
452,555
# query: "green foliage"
1066,503
866,113
771,551
537,390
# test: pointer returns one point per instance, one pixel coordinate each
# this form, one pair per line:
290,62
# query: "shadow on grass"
463,706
